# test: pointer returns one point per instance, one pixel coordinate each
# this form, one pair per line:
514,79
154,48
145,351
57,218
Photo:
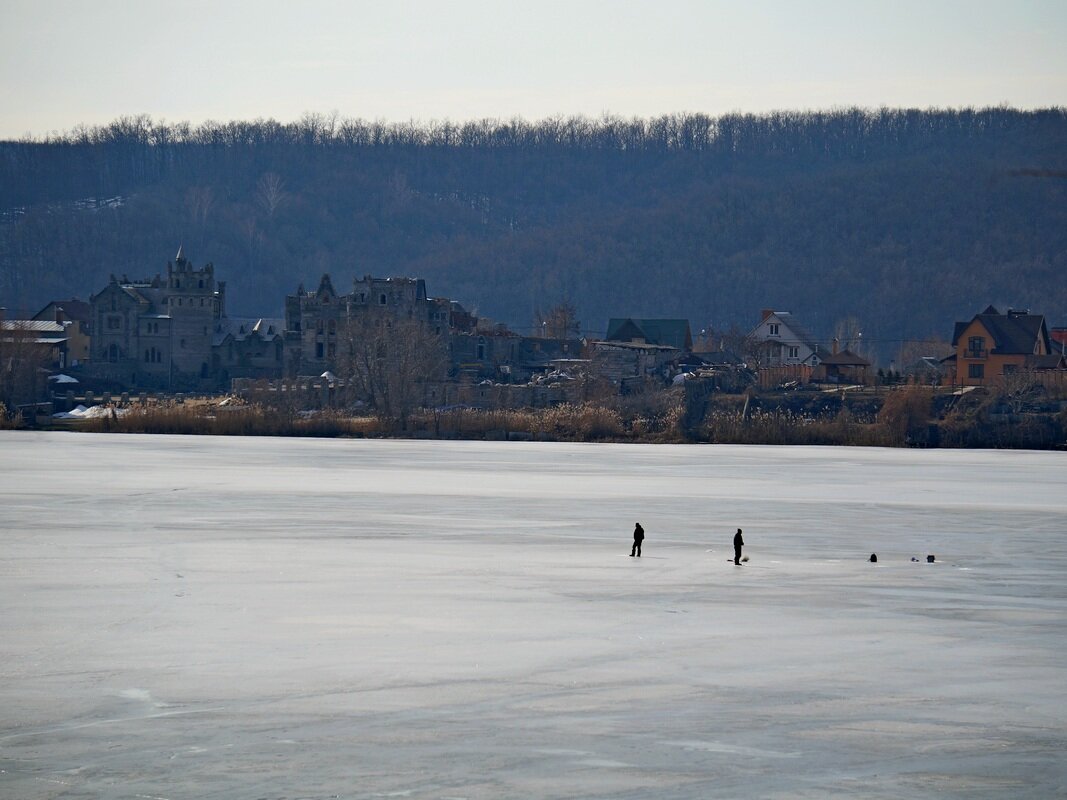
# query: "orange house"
993,345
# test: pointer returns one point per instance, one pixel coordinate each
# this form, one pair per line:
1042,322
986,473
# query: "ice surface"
278,618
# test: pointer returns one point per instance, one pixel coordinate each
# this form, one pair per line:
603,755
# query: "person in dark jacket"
639,536
738,544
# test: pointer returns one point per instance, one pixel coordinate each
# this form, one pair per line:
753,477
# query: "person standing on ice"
639,536
738,544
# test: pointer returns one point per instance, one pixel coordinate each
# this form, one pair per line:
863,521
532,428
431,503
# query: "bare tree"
22,365
731,340
849,334
559,322
388,362
914,349
250,228
270,193
1018,387
198,202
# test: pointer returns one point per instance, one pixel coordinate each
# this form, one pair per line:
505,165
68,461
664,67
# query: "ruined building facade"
157,332
172,332
318,323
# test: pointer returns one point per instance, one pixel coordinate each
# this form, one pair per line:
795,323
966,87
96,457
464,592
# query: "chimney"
833,346
765,313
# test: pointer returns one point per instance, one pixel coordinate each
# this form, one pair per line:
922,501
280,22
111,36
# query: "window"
332,327
976,371
382,299
114,323
772,329
200,284
318,349
794,352
976,347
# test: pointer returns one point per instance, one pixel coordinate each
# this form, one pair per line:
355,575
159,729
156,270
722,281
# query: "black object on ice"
913,558
738,543
874,557
639,536
929,559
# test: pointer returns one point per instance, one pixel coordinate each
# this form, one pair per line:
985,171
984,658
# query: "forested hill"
906,220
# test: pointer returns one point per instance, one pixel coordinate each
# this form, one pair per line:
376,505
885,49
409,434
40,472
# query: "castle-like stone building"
172,332
318,322
158,332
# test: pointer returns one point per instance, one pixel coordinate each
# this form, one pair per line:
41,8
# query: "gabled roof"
798,329
669,332
326,287
794,327
1014,333
846,358
75,309
240,328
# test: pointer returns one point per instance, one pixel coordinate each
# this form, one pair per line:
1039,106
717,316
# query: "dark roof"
1014,333
711,358
75,309
668,332
846,358
798,330
1052,361
645,346
240,328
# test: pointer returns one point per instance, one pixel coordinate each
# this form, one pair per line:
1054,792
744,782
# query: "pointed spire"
181,253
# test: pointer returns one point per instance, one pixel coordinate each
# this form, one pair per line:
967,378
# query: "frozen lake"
195,617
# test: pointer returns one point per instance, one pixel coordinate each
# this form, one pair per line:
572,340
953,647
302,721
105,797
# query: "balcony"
976,353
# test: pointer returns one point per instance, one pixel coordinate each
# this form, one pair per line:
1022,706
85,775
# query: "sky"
64,63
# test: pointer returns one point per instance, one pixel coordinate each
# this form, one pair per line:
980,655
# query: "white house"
782,341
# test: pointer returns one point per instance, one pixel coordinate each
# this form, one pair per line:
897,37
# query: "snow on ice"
244,618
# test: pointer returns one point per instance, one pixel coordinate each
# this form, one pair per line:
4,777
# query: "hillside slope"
905,220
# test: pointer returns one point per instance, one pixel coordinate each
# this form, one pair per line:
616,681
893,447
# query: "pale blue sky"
64,63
